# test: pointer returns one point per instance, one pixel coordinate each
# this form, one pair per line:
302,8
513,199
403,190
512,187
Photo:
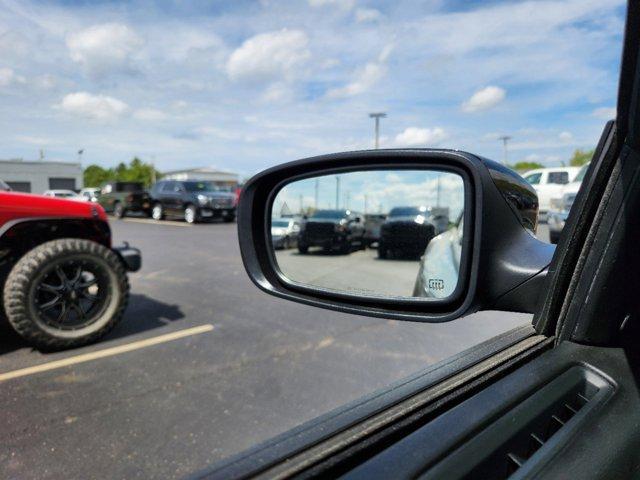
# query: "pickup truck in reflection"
408,230
372,224
332,230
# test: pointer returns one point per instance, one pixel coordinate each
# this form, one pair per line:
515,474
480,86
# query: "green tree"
95,175
139,171
136,171
524,166
580,157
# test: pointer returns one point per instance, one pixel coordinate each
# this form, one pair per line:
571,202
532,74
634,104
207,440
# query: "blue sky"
245,85
375,192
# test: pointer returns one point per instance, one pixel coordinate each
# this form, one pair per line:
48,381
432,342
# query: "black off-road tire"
20,285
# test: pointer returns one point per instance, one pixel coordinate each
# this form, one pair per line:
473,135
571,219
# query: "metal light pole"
505,139
316,194
377,116
337,192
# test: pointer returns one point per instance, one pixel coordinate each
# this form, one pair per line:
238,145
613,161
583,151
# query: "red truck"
63,283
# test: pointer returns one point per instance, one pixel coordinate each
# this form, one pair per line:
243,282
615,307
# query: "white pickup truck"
561,204
549,183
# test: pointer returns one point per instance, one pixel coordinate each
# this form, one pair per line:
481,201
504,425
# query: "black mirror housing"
502,266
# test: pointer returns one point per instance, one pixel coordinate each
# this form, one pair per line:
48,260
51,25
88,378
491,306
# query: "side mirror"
488,259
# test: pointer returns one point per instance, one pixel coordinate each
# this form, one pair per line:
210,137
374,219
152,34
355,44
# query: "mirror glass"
389,233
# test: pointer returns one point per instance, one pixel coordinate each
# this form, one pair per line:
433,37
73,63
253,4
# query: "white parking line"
155,222
107,352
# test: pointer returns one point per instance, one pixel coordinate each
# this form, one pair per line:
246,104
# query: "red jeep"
63,283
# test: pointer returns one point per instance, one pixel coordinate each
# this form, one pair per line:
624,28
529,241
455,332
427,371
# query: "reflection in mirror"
389,233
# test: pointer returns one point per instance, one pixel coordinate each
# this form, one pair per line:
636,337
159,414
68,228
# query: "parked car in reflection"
560,205
372,224
332,230
68,194
440,264
408,230
284,232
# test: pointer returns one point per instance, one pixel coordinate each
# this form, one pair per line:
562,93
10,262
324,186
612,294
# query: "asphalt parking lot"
360,272
203,365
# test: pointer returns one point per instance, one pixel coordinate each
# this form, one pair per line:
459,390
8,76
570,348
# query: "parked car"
284,232
64,283
560,206
192,200
68,194
406,232
372,224
548,183
90,194
121,198
333,230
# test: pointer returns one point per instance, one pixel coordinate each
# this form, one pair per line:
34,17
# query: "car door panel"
285,446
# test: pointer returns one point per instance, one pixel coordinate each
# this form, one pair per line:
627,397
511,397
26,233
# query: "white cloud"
277,92
565,136
45,82
484,99
364,15
420,137
365,78
605,113
269,55
97,107
149,114
9,77
103,49
343,4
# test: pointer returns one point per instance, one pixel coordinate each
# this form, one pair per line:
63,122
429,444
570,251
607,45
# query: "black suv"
407,232
192,200
340,230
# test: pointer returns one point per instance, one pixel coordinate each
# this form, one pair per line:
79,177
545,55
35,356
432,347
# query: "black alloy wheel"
66,293
71,294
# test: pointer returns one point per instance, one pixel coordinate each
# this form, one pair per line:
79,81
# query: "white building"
38,176
221,178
